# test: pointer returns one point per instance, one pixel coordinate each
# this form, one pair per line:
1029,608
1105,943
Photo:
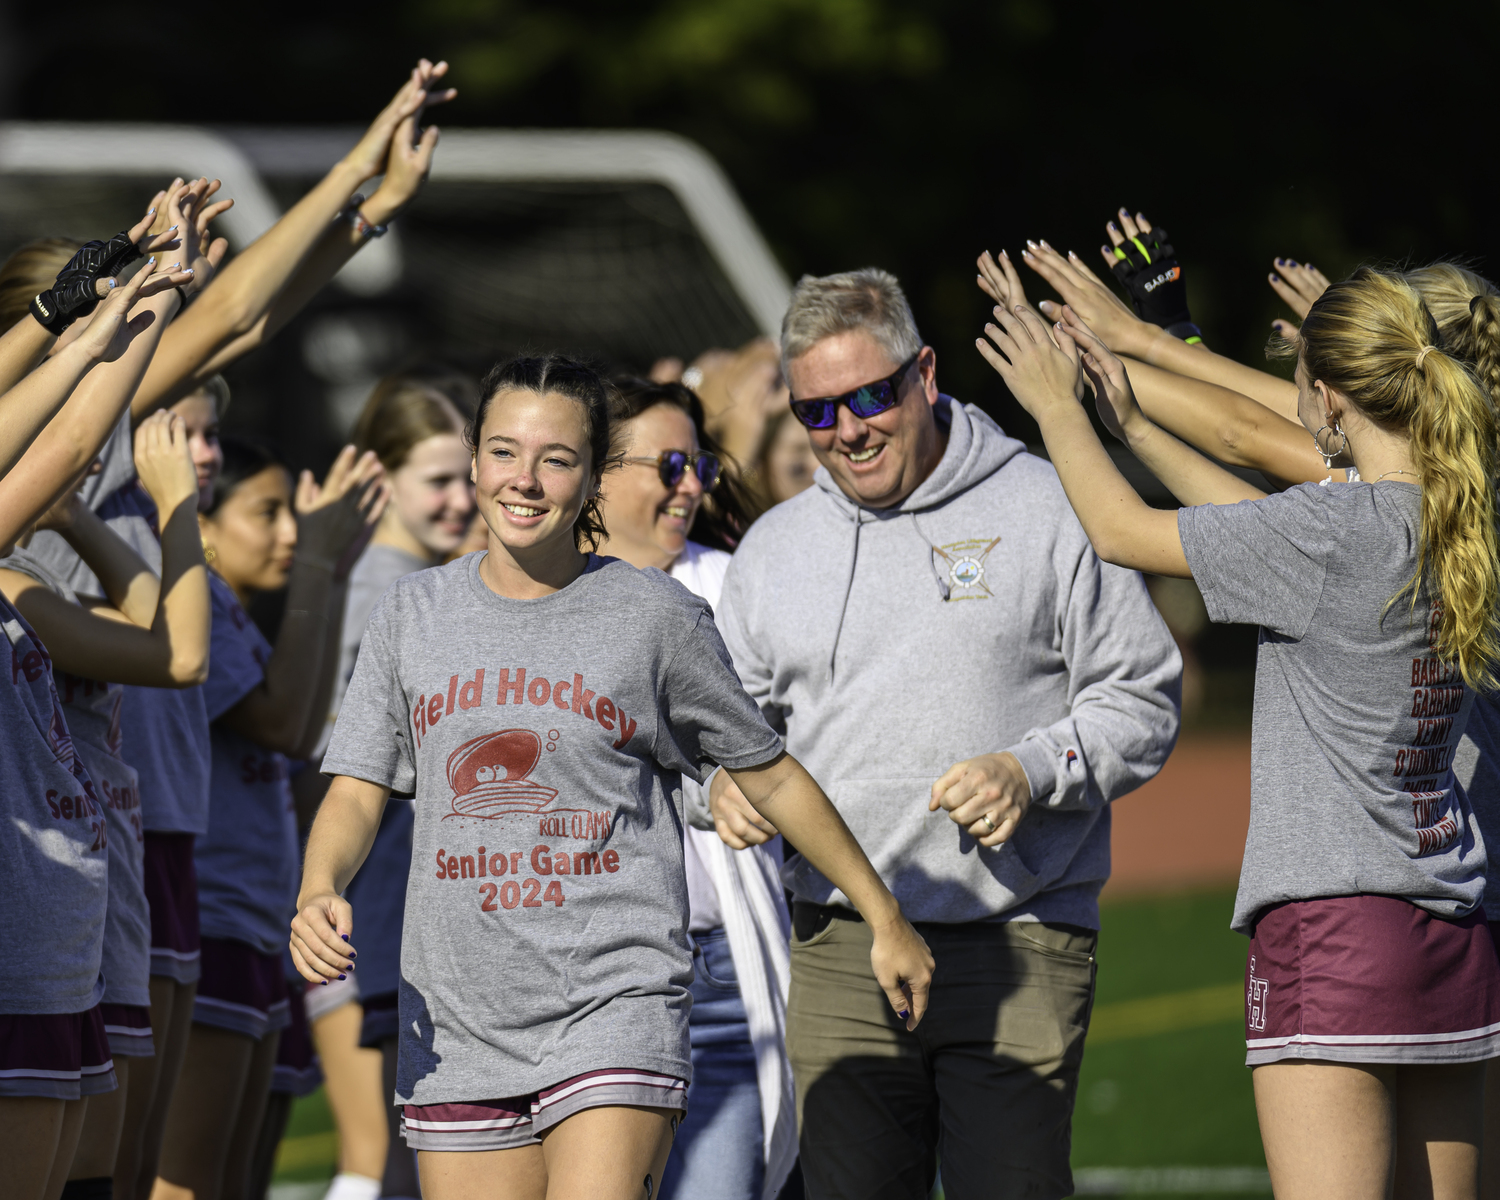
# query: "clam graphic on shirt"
491,775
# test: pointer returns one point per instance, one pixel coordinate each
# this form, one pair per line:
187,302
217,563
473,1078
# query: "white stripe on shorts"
646,1079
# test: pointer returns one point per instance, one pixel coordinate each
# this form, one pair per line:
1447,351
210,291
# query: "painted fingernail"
904,1014
345,936
113,282
173,229
151,213
342,975
1273,278
1030,243
1113,227
189,271
324,982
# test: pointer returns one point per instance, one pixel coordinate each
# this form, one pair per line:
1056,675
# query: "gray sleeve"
1260,562
754,671
707,719
372,739
1124,691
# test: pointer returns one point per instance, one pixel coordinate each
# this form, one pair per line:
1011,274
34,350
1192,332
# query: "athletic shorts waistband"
510,1123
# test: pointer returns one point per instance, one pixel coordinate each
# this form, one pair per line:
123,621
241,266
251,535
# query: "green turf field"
1164,1083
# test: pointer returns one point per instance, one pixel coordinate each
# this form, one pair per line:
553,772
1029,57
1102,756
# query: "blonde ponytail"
1466,307
1372,339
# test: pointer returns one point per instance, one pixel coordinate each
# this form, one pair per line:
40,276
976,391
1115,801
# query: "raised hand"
107,335
164,462
335,520
1146,266
419,92
92,272
1106,314
998,280
201,252
1038,372
1299,284
1113,395
409,157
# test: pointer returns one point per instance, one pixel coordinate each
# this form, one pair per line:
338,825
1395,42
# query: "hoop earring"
1330,455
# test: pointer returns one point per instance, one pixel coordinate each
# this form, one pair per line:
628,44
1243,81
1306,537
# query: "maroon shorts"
520,1120
297,1070
128,1027
241,989
172,891
61,1056
1370,979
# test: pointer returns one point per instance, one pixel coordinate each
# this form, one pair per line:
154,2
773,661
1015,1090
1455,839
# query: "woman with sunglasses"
672,506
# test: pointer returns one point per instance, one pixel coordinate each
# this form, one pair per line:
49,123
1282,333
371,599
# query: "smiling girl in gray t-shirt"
540,703
1369,958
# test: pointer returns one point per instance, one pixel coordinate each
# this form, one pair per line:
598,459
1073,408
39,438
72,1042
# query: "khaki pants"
986,1082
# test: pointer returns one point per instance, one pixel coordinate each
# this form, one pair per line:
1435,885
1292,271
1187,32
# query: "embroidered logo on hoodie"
966,568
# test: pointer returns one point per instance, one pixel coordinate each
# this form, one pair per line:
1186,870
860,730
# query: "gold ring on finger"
990,821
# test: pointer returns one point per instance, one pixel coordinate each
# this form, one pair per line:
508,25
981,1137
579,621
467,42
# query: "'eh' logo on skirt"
1255,1000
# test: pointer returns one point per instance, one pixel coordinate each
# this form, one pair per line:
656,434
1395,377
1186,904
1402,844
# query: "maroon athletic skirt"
241,989
61,1056
298,1072
172,891
1370,979
128,1027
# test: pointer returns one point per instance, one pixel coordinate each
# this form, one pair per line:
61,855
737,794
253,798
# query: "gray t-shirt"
1478,770
165,729
543,741
92,710
53,842
248,862
1356,720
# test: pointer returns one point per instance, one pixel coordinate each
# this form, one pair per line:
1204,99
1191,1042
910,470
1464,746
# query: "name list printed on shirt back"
1424,765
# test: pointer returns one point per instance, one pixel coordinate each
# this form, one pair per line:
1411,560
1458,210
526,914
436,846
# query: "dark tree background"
910,136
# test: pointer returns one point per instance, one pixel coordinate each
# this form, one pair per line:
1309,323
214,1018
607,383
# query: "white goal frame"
488,155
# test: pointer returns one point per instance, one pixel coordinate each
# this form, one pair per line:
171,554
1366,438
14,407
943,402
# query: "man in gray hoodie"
930,629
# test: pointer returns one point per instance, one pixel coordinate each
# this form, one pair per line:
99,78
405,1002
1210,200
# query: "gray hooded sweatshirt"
974,617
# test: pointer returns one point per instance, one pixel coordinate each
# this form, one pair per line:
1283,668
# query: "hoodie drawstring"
942,584
848,587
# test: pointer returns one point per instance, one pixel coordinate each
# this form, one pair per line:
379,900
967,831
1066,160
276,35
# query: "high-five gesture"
337,518
94,270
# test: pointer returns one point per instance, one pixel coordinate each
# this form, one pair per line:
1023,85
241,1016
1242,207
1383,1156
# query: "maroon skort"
61,1056
128,1027
172,892
241,989
1370,979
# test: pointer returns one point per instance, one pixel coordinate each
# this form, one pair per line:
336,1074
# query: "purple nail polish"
324,982
345,936
904,1014
342,975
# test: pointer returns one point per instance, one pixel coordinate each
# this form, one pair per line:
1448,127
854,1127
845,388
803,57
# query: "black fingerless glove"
1146,266
73,294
